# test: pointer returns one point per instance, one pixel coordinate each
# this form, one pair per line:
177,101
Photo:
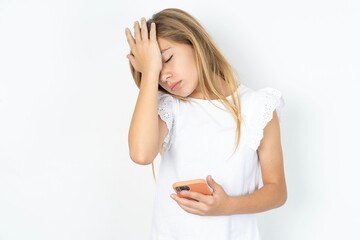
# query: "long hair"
180,27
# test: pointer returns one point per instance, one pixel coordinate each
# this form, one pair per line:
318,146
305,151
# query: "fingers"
129,38
189,206
211,182
191,210
137,32
141,33
152,32
132,60
142,50
186,202
137,35
144,30
194,195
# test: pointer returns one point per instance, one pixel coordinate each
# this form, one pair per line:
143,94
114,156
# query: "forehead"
165,44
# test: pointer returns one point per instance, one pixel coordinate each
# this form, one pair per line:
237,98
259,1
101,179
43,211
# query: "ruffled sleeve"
264,102
166,106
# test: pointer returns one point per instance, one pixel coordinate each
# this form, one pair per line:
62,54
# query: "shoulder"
248,93
258,107
260,100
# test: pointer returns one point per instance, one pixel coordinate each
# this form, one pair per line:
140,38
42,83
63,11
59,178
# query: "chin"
184,95
181,95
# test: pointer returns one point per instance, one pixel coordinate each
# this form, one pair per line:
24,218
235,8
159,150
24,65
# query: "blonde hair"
179,26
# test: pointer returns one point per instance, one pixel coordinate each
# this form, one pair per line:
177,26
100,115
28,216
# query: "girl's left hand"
205,205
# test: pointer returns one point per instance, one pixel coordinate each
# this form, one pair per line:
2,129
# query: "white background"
67,98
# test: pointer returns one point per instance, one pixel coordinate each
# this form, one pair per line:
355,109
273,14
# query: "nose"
165,77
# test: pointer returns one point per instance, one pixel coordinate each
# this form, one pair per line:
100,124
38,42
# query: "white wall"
67,97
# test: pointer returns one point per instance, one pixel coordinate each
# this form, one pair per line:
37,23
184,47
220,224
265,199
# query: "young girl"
205,124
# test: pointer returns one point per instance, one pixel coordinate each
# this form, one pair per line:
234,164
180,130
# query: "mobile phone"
195,185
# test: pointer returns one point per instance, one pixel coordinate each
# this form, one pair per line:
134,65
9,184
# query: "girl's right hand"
145,54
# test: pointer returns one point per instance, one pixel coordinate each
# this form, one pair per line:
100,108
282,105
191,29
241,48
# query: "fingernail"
172,196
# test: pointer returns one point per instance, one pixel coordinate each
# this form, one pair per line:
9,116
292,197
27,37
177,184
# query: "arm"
273,194
144,127
145,57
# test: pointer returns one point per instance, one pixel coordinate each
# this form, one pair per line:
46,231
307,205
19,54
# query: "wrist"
149,86
151,74
229,206
150,79
232,205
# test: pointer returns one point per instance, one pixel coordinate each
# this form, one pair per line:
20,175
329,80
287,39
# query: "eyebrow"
162,51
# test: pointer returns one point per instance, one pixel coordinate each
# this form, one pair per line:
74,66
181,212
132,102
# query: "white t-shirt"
200,142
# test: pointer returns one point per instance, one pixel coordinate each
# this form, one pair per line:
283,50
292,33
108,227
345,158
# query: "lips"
174,85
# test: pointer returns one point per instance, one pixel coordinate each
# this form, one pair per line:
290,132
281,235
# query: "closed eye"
169,59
